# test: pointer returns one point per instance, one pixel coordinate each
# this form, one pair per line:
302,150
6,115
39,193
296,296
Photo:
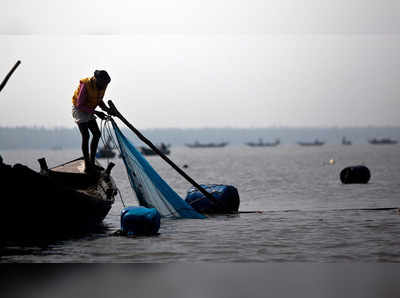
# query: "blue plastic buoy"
140,221
226,199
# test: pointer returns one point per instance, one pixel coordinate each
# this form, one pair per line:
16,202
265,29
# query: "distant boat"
106,151
206,145
345,141
261,143
163,148
382,141
315,143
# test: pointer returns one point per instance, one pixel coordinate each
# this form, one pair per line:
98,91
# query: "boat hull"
55,203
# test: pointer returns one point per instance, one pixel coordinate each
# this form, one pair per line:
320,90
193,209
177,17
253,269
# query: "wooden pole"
162,155
5,80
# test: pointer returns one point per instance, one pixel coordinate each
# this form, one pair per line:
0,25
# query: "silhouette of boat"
382,141
206,145
315,143
345,141
162,147
106,151
264,144
54,202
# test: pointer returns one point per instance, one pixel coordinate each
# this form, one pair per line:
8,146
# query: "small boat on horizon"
315,143
106,151
382,141
56,148
197,144
164,148
345,141
261,143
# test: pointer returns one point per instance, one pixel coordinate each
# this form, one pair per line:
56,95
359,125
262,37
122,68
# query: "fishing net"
151,190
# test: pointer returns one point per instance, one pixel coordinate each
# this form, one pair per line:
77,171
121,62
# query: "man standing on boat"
87,97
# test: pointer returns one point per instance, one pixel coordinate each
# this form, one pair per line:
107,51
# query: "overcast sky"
208,63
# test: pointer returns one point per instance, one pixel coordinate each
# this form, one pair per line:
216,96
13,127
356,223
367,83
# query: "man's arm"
106,109
103,106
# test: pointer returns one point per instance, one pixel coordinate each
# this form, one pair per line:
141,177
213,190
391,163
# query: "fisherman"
87,97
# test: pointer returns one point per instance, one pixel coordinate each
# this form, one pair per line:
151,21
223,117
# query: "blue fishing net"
151,190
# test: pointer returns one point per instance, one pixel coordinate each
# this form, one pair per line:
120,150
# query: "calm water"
308,214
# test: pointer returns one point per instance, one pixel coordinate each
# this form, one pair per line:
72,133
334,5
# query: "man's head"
102,79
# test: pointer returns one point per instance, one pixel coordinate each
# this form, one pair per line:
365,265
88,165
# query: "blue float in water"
226,199
137,221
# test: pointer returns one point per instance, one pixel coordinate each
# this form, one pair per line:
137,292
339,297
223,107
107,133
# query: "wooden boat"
345,141
315,143
106,151
261,143
383,141
163,148
206,145
54,202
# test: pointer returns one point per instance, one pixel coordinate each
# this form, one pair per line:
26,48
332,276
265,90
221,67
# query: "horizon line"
216,127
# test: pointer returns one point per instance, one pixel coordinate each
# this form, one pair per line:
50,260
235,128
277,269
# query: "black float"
355,174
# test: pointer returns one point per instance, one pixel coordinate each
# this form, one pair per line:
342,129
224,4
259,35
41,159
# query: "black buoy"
355,174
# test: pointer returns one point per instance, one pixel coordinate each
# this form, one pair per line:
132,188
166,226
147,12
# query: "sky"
209,63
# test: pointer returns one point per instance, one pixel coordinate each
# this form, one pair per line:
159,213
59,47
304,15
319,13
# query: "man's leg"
94,129
84,129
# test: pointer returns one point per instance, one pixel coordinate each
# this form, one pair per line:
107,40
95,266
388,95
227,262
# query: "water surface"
308,215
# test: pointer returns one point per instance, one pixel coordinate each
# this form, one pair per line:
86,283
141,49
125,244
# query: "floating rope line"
106,134
120,195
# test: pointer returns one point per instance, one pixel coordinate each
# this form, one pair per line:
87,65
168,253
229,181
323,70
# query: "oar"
162,155
4,82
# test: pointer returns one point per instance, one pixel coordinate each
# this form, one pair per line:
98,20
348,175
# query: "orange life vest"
94,96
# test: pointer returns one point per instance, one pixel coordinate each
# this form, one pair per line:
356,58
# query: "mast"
5,80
